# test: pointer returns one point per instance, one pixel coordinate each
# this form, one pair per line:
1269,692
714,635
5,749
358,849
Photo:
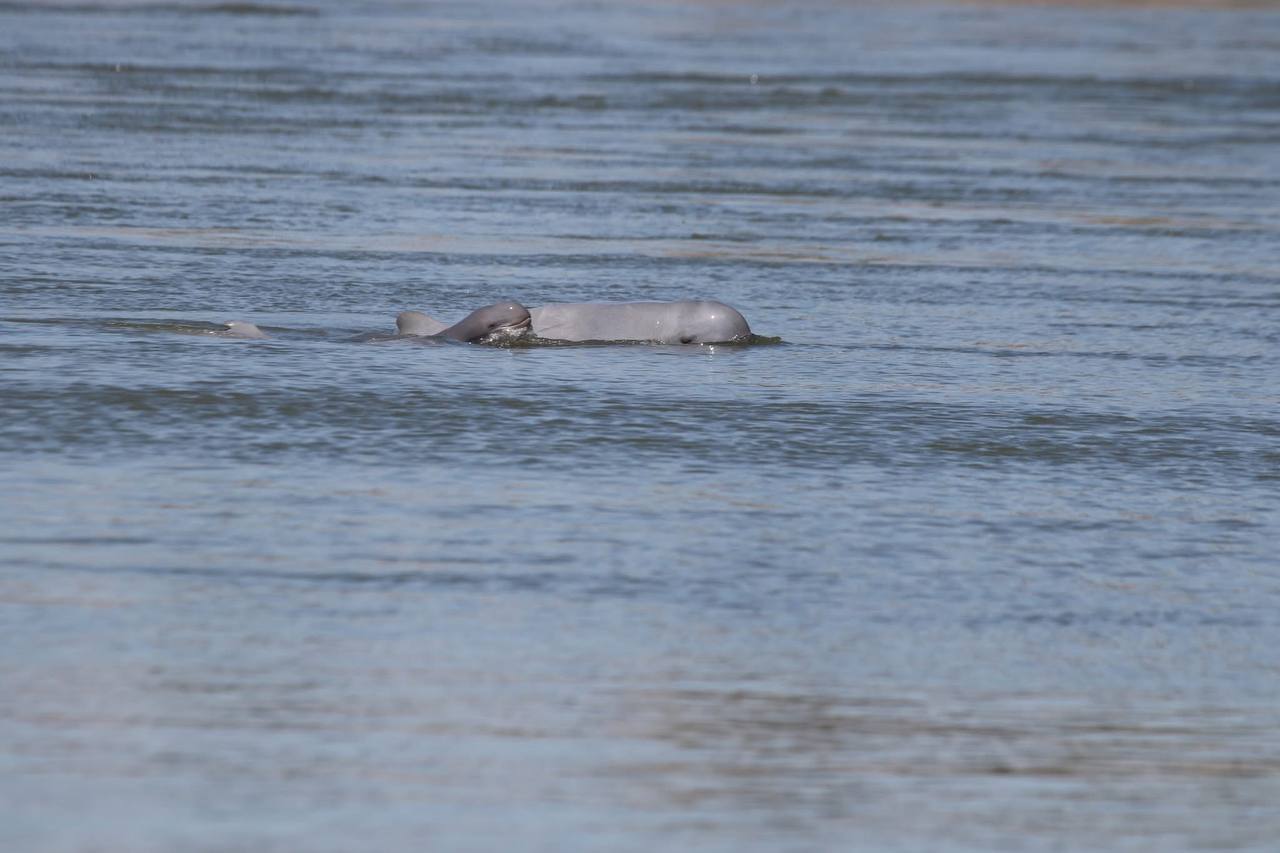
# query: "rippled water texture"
981,556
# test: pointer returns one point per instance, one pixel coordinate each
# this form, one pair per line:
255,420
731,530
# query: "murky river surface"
982,556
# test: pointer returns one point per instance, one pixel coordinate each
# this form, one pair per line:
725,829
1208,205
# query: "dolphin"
502,320
507,319
418,324
684,322
241,329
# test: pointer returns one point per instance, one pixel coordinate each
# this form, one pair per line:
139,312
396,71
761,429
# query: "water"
981,556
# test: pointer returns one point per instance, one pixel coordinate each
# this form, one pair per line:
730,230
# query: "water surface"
981,556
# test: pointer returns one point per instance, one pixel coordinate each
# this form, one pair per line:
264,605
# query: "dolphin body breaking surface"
502,320
507,319
685,322
241,329
418,324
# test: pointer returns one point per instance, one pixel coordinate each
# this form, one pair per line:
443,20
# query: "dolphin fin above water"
242,329
418,324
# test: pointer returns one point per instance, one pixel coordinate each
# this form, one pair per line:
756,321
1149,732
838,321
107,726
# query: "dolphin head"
711,323
501,321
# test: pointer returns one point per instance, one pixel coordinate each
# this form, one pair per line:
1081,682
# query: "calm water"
981,556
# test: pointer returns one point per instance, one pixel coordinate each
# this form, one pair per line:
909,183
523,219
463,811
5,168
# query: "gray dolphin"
241,329
684,322
501,320
417,323
507,319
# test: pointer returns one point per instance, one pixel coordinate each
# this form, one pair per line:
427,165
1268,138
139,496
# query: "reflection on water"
898,768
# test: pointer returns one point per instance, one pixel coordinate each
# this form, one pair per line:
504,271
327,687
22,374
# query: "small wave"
261,9
93,541
119,324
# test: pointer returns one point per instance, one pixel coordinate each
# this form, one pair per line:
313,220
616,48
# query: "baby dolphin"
502,320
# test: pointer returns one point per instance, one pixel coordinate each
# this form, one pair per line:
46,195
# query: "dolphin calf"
684,322
502,320
507,319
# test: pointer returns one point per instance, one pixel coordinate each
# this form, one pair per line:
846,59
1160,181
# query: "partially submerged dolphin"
417,323
686,322
492,322
501,320
241,329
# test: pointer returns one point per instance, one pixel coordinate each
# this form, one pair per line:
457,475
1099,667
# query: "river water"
980,556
